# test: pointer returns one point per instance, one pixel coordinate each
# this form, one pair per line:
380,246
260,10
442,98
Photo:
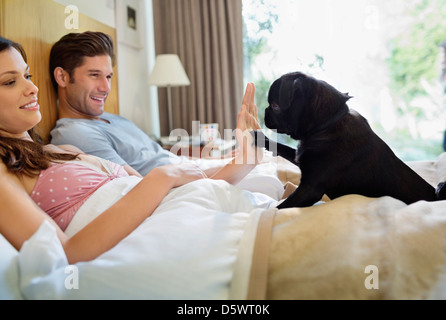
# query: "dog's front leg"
441,191
286,152
278,149
260,140
303,196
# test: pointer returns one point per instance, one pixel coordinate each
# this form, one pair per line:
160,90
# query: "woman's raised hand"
247,122
247,118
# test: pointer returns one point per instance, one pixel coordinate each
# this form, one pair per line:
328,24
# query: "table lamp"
168,72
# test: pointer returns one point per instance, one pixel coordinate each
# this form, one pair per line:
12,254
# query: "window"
386,54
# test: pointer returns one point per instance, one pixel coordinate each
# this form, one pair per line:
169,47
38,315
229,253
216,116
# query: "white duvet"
192,247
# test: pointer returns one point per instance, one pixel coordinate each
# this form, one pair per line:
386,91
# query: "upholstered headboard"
37,24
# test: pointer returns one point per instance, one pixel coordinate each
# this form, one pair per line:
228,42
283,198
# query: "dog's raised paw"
441,191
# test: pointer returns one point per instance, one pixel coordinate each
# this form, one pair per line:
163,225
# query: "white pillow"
9,271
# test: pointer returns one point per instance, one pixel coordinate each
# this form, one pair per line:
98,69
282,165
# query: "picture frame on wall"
128,23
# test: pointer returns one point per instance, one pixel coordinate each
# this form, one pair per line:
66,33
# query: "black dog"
338,153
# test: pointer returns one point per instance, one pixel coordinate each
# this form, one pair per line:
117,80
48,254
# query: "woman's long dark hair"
22,156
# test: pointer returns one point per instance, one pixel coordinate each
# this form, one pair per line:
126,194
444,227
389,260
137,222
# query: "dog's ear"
347,96
287,92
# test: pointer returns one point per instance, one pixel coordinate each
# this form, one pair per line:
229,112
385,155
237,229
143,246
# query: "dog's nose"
270,119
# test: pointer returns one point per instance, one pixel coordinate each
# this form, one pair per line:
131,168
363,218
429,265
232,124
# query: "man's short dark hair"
69,52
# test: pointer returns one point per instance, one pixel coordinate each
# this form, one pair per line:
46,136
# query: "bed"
214,241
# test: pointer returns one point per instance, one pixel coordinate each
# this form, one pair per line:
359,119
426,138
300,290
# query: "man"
81,67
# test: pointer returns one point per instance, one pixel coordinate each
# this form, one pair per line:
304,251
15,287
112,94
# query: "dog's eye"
275,107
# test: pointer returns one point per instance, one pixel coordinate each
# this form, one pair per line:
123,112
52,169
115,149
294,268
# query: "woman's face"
19,110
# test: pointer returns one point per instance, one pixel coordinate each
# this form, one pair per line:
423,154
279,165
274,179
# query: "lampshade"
168,71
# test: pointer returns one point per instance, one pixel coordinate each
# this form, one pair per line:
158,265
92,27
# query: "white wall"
101,10
137,101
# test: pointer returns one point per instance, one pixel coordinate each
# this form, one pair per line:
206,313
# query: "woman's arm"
249,155
20,217
109,228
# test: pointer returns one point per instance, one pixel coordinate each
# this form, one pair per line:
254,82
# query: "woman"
27,165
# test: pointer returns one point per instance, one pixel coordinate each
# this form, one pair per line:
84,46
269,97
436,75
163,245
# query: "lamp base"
169,107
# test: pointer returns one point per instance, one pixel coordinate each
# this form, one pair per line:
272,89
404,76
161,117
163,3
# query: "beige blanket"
360,248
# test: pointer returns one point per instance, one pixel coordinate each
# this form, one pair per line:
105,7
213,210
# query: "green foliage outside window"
412,65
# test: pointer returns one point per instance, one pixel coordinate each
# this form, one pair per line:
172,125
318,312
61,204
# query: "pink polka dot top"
64,187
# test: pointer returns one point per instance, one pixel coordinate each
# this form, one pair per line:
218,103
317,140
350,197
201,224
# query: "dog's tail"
441,191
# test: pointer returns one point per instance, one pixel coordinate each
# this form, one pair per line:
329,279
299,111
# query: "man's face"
90,85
